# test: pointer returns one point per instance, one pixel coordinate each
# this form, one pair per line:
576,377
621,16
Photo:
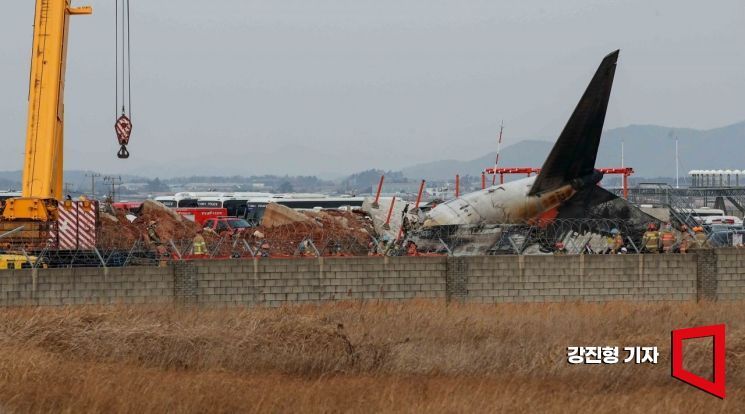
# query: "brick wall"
706,275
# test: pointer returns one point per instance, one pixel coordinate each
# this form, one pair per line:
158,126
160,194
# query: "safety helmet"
698,229
651,226
614,231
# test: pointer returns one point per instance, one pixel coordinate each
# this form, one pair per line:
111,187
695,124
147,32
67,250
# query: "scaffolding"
528,171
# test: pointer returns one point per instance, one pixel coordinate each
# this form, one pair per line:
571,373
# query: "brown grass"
352,357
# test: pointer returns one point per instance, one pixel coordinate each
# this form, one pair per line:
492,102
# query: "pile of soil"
333,232
118,232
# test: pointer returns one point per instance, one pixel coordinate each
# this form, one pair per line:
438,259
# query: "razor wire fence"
555,237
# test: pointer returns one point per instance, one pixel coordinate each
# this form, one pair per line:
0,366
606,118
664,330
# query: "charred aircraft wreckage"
563,203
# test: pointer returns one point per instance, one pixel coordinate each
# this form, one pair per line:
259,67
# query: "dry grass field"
352,357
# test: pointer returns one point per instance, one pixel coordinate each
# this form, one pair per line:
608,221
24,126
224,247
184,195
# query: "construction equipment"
38,207
123,124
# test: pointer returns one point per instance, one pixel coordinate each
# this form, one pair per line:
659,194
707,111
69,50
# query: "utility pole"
93,176
677,184
114,181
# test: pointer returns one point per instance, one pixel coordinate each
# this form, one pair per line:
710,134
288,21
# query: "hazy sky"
337,86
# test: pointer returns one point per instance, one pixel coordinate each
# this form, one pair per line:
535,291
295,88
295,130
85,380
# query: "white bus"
180,200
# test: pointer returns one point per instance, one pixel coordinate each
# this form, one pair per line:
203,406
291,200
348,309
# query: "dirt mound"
122,234
333,232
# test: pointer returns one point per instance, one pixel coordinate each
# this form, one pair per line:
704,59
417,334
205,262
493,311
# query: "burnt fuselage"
509,203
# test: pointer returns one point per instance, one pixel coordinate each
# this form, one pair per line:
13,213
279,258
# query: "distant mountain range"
649,149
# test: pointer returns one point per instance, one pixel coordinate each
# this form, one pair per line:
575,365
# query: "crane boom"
43,164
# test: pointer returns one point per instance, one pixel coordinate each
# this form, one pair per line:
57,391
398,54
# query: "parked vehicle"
727,238
231,225
10,261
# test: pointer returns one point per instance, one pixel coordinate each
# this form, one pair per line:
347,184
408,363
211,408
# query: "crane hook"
123,129
123,153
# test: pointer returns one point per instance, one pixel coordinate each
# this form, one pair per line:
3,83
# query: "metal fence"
572,236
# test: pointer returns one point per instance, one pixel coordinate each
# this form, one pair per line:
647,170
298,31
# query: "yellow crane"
43,163
39,218
32,218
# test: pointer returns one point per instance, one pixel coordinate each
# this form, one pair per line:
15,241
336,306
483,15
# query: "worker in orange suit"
700,240
685,239
667,238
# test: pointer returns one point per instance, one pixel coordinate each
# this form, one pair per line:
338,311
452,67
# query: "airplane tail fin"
574,153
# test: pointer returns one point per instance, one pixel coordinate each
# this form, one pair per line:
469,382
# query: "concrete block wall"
278,281
495,279
709,275
129,285
730,274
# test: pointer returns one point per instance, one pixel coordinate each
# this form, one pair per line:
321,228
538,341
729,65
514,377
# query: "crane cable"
123,52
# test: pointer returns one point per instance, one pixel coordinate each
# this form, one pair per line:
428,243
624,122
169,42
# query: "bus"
182,200
231,205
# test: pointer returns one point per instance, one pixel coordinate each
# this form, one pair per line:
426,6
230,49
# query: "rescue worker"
700,240
199,245
151,232
617,241
685,239
667,238
651,240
